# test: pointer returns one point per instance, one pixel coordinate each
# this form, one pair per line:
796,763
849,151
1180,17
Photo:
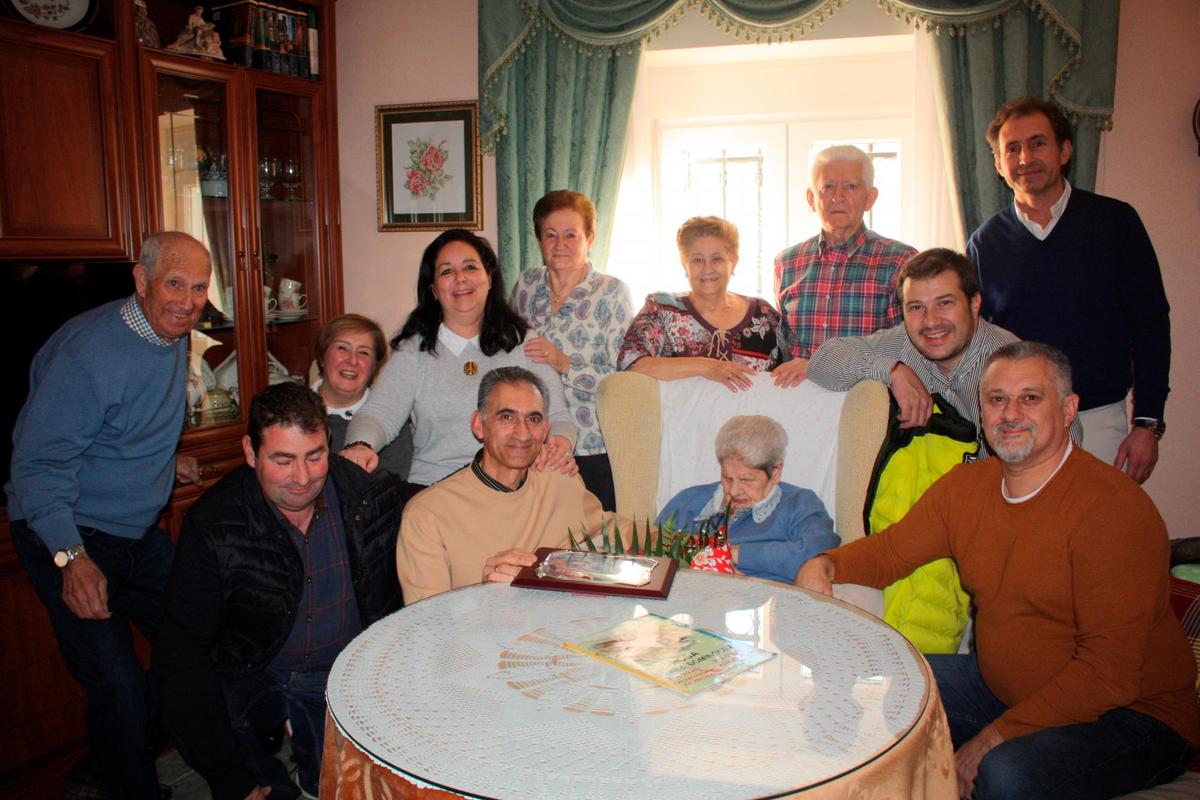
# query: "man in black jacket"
278,567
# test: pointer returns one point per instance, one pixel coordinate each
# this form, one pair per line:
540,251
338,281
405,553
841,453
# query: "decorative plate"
60,14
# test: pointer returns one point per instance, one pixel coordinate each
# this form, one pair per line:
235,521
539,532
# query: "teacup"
290,298
293,302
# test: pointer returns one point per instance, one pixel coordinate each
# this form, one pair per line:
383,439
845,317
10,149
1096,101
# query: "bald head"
170,248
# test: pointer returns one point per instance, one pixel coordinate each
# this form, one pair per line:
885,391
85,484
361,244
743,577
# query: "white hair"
166,245
843,152
757,441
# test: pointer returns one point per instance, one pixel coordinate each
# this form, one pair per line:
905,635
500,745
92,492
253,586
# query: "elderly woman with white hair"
774,527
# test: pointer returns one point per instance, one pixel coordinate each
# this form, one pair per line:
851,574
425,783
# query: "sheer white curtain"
938,218
866,95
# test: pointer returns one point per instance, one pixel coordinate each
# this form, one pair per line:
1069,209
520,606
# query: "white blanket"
694,409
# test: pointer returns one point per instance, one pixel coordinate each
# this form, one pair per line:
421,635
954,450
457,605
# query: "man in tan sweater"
1082,683
484,521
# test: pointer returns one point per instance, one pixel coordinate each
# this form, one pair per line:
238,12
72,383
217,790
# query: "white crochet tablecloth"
471,691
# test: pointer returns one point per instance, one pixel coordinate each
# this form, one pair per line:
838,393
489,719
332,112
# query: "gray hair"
1060,365
843,152
166,245
513,376
757,440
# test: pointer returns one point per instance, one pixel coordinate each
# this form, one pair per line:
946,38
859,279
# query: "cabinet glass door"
193,143
288,236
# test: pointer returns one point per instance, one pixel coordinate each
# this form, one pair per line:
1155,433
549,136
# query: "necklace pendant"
470,368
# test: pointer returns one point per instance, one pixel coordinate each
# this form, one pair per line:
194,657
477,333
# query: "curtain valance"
604,28
1079,43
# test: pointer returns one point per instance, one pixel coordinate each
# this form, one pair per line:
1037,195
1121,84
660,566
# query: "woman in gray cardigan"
461,328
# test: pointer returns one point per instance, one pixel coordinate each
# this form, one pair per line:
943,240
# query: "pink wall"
395,52
1150,160
426,50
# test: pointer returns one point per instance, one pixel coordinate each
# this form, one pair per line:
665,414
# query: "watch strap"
68,554
1155,426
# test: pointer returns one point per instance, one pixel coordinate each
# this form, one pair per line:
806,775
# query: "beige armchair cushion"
631,418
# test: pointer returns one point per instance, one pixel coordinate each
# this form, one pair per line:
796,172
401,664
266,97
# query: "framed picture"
427,166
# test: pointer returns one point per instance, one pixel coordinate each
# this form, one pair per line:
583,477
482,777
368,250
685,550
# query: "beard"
1013,453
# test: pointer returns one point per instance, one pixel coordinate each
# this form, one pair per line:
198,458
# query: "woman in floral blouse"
580,317
709,331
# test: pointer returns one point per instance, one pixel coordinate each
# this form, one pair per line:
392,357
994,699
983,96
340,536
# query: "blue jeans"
122,700
1121,752
259,703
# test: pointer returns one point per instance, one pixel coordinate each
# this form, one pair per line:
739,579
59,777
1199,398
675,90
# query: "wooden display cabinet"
105,140
244,159
62,169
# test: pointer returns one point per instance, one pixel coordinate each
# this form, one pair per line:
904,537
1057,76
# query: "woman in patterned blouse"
580,317
710,331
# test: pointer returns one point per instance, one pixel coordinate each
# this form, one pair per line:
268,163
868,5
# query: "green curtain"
991,51
556,83
556,86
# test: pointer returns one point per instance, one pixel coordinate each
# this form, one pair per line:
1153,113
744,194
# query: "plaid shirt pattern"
826,291
327,616
132,314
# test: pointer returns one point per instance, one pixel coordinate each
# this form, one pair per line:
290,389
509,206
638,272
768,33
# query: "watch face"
61,559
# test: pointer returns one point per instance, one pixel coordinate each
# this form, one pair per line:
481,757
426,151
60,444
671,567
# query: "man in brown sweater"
1082,683
484,521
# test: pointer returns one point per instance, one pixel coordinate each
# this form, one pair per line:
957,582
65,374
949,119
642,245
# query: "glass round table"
471,692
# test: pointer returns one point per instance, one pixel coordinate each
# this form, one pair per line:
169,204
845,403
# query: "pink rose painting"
415,183
426,173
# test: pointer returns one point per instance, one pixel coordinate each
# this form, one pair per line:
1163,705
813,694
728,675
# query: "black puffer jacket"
232,597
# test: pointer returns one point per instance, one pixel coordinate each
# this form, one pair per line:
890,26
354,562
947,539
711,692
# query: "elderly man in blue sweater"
92,467
1076,270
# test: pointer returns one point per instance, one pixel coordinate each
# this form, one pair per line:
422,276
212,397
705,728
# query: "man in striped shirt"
940,347
841,282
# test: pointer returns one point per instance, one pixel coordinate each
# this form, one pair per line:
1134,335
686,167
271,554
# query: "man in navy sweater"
92,467
1077,270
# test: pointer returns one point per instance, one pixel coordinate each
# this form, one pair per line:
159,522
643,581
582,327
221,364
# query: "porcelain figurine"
200,37
147,33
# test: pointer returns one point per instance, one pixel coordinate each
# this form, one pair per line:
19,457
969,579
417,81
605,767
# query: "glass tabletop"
472,691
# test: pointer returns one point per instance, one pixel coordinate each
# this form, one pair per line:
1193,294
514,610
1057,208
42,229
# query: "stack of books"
269,36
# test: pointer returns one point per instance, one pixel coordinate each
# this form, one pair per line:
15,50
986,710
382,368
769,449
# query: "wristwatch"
67,555
1155,426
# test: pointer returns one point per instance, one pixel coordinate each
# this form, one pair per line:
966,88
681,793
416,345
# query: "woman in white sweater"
461,328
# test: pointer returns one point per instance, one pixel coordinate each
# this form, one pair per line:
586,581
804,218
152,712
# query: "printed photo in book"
677,656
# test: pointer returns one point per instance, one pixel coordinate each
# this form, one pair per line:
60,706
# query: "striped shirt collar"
131,312
488,480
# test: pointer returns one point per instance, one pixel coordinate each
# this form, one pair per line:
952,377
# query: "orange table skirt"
919,766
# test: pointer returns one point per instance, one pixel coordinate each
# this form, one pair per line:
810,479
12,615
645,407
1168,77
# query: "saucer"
290,316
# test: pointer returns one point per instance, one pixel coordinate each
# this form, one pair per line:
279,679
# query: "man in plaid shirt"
841,282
